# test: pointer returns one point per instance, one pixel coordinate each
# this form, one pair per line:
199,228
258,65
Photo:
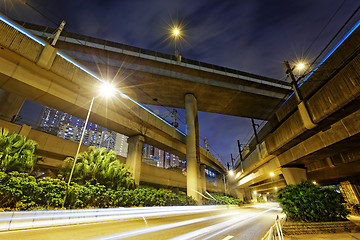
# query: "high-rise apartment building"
69,127
51,119
160,158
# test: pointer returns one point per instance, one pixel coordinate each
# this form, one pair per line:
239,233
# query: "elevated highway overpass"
33,69
321,142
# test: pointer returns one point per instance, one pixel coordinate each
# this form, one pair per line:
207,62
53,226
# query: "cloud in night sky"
249,35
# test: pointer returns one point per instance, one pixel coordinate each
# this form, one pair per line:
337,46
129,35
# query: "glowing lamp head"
314,182
107,89
272,174
275,188
255,192
300,66
176,32
231,173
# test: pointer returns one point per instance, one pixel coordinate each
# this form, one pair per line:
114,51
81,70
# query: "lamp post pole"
78,150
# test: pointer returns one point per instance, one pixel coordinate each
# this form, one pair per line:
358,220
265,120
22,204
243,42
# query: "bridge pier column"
192,148
294,175
220,182
247,194
202,179
134,158
239,193
10,105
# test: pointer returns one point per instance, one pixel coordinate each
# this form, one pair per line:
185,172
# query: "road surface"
248,223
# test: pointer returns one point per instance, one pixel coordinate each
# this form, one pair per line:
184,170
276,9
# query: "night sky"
254,36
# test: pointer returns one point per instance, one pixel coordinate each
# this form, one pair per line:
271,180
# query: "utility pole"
232,161
254,127
206,144
228,166
58,32
175,123
304,112
289,72
240,153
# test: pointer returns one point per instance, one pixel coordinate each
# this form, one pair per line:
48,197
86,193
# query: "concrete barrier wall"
342,89
18,42
339,91
161,176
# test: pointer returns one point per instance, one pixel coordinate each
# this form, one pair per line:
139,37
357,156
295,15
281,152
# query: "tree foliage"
16,152
19,191
96,165
310,203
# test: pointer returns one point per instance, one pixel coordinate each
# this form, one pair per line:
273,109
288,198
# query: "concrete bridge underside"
155,78
328,151
35,70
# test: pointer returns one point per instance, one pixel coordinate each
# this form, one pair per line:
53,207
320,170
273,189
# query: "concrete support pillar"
220,183
10,105
25,130
134,158
240,194
294,175
247,194
192,147
202,178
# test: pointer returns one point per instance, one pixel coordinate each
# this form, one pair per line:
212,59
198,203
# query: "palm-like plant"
16,152
99,166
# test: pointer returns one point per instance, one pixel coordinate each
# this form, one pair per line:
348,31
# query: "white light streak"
31,219
228,237
219,227
160,227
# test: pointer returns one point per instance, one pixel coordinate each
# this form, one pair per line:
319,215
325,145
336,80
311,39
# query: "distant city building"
69,127
157,157
51,119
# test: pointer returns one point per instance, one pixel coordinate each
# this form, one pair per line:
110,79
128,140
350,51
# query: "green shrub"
310,203
222,199
19,191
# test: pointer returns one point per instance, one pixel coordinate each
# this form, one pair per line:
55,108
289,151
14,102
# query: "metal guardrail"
275,232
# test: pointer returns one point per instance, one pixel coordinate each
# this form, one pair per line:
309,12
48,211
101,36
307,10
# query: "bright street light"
231,173
106,89
176,31
300,66
272,174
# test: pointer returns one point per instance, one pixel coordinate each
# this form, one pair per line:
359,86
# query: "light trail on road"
175,223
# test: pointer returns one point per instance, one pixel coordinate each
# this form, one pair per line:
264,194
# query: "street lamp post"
106,90
176,34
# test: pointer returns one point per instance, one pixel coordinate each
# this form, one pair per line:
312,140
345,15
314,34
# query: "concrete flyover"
317,139
33,69
156,78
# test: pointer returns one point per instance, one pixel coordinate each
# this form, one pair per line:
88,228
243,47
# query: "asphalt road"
248,223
